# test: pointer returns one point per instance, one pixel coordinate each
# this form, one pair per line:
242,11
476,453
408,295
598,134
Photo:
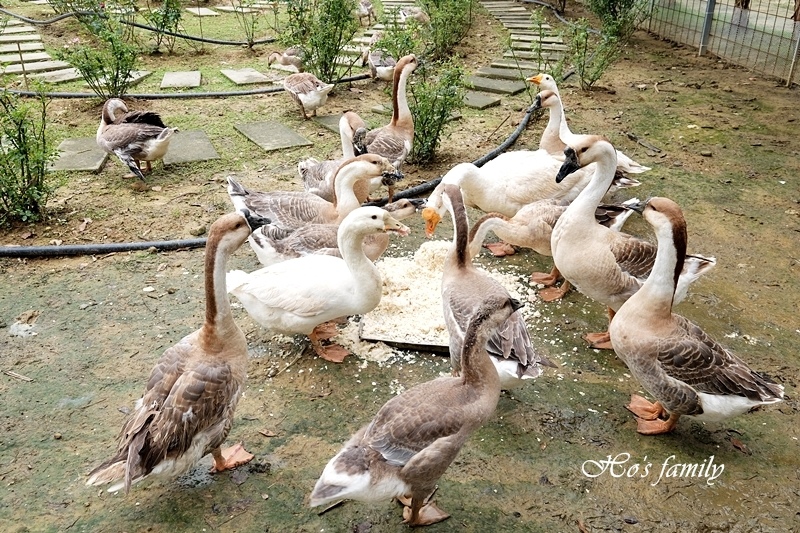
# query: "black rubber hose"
91,249
428,186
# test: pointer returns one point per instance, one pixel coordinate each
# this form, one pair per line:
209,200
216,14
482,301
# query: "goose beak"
418,203
253,220
516,305
432,219
569,166
536,79
390,177
636,206
392,225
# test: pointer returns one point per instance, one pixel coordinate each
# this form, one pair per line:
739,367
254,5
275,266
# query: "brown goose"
290,59
133,136
605,265
687,371
309,92
188,405
273,245
290,210
532,228
415,436
463,288
394,140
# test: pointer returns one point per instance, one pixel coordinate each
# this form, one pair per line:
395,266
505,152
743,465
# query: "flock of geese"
318,249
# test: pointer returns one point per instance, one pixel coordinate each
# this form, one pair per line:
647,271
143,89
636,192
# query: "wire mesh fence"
758,34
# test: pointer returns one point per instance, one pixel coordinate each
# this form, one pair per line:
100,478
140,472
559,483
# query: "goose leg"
552,294
644,409
421,511
601,341
658,426
333,353
230,458
500,249
546,279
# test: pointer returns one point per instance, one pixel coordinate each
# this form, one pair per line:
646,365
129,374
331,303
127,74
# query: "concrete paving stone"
330,122
190,146
21,47
494,86
79,154
524,54
36,66
58,76
537,38
503,11
202,12
8,30
244,76
501,73
524,66
134,77
524,25
188,78
231,9
25,57
552,47
40,2
20,37
272,135
478,100
13,22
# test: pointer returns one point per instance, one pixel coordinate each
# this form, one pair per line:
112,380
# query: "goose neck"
219,317
400,111
658,291
591,196
477,369
350,241
460,250
345,197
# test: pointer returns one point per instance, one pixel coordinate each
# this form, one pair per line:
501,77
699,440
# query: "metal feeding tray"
369,330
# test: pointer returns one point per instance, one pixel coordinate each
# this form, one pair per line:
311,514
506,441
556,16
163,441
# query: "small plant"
25,153
321,28
165,19
591,54
247,17
449,22
434,99
398,41
107,63
619,18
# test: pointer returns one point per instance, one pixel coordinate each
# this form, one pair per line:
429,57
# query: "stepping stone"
37,66
330,122
536,37
190,78
526,54
202,12
21,47
17,29
24,57
231,9
525,25
478,100
40,2
502,73
58,76
20,38
134,77
190,146
272,135
519,45
244,76
495,86
13,22
524,66
79,154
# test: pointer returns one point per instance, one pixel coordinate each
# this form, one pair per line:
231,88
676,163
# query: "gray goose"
415,436
133,136
687,371
605,265
308,92
463,288
187,407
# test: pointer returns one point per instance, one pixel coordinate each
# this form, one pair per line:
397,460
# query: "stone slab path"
22,50
80,154
272,135
183,79
190,146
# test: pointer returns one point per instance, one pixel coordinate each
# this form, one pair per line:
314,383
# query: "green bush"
165,19
321,28
435,96
590,54
450,21
619,18
105,61
25,153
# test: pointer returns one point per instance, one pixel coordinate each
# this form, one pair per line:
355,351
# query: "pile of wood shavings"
410,310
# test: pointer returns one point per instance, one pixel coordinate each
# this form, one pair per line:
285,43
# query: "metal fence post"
794,57
706,27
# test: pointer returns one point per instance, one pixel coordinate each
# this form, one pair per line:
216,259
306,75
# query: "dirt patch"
728,154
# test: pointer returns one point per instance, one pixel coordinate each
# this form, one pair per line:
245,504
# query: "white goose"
298,295
605,265
290,210
309,92
273,245
463,289
318,175
133,136
187,407
415,436
557,132
687,371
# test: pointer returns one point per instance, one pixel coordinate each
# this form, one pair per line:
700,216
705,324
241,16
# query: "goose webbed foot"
551,294
230,458
658,426
644,409
421,511
599,341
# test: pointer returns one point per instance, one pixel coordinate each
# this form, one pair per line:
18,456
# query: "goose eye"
583,150
374,217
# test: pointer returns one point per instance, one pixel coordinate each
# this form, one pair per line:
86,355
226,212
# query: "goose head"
402,209
581,151
110,109
372,166
231,230
372,219
407,63
545,82
545,99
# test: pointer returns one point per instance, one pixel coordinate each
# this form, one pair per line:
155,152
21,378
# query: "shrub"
165,19
619,18
434,99
450,21
591,54
321,28
247,17
25,152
